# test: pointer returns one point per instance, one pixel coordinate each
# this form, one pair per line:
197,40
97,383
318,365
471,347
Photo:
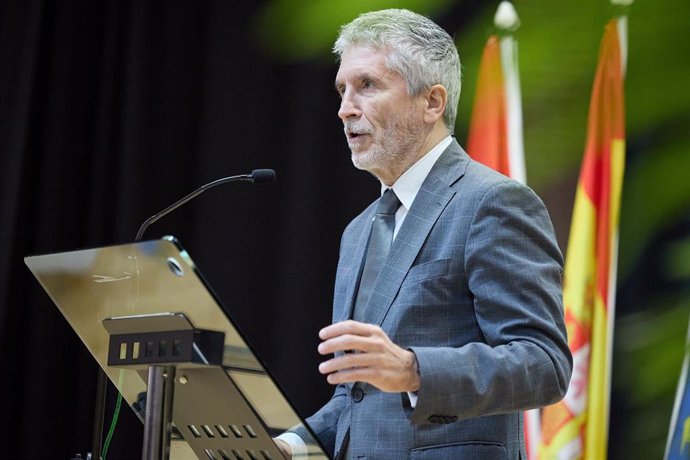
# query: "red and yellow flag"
577,427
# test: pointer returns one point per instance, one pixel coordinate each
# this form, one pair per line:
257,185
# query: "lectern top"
155,277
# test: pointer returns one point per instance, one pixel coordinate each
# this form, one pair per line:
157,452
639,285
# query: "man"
444,336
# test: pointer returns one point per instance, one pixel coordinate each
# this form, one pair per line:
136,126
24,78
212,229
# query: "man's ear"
436,100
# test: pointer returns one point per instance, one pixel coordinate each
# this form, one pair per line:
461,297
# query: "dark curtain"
111,111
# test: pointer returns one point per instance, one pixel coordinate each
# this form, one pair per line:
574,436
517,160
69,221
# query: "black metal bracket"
176,347
160,344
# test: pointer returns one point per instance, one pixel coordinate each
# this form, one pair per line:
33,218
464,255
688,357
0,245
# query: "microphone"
263,176
257,176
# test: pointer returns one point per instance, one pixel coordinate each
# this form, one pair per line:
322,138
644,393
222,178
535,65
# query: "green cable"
116,414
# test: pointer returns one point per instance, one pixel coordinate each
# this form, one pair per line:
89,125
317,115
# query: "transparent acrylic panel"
146,278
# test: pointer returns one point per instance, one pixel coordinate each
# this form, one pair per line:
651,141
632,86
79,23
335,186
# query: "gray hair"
417,48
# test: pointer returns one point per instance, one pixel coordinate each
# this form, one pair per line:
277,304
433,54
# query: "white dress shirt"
407,186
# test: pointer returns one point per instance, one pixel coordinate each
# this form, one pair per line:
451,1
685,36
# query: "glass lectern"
147,316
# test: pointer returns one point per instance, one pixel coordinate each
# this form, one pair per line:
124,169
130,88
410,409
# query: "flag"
678,444
577,427
495,134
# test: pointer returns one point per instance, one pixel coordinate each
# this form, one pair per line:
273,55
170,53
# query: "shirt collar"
407,186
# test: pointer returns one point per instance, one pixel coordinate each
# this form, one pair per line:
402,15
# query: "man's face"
383,123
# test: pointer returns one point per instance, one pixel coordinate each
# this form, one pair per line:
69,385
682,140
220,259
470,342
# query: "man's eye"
367,84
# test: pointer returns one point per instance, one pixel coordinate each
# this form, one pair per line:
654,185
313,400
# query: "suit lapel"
431,200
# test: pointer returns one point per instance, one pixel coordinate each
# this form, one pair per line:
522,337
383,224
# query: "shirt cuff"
297,444
413,399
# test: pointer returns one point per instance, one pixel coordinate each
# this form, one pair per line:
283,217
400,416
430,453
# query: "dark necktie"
380,241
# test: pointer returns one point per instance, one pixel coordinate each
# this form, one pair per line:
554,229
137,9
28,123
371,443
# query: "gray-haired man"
449,322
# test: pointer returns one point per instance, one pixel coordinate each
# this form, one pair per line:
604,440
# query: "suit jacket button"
357,394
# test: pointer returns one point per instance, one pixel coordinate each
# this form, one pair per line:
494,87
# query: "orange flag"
495,134
577,427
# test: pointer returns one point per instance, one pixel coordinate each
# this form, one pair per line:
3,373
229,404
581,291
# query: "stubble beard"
394,148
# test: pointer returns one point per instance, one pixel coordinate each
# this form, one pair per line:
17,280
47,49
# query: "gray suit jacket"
472,285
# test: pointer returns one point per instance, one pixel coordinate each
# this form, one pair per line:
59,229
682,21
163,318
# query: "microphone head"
263,176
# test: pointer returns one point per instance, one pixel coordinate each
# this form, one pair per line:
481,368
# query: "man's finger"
347,327
360,374
347,362
347,342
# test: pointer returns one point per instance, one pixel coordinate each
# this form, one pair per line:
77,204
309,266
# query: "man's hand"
375,359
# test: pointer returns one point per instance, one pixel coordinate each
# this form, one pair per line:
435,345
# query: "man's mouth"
356,134
353,135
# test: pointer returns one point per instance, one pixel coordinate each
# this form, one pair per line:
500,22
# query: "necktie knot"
388,203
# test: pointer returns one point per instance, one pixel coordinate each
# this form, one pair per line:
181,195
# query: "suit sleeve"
324,423
513,268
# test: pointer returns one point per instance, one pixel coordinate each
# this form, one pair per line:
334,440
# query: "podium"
151,322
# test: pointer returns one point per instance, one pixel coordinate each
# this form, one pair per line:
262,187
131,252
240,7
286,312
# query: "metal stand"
158,418
160,343
99,414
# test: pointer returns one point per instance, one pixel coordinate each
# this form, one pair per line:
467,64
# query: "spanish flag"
577,427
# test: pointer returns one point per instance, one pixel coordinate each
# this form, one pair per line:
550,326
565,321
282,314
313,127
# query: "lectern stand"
147,316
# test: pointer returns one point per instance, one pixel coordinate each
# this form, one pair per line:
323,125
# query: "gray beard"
394,149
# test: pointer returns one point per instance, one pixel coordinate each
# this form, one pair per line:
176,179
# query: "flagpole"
622,29
623,32
680,391
506,20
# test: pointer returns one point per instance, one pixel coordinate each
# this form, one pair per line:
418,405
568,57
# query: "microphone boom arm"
258,175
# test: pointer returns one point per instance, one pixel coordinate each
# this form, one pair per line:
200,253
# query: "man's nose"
349,108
